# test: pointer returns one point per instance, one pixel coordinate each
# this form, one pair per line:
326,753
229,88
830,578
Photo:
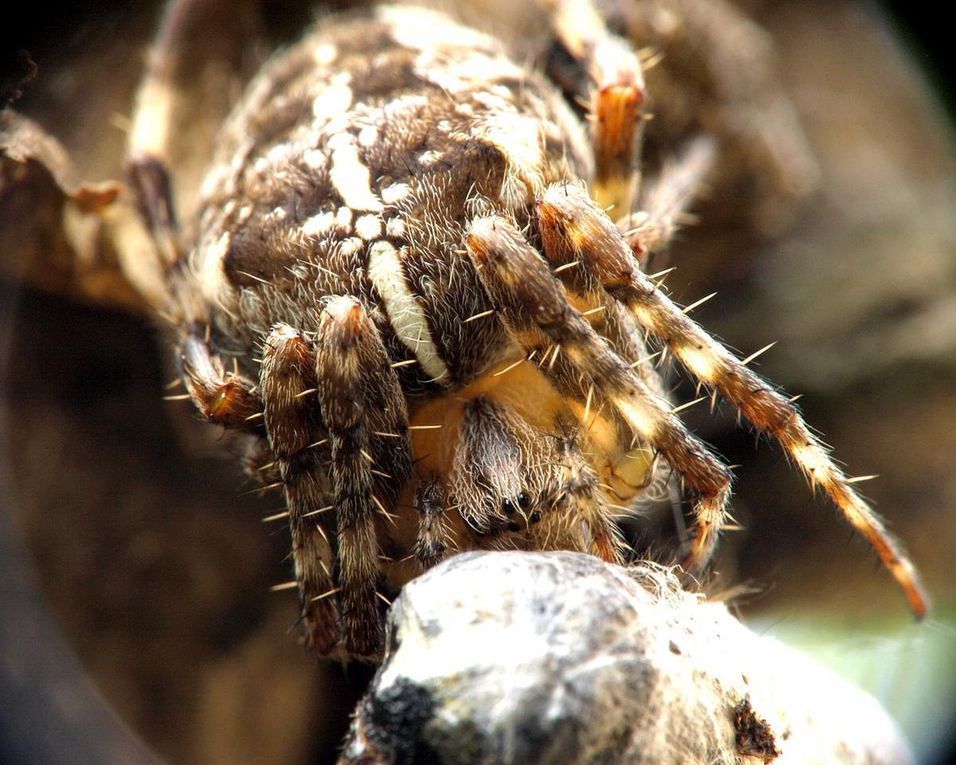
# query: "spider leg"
616,100
150,143
231,400
152,192
720,76
535,308
223,398
288,371
186,91
360,398
574,228
665,202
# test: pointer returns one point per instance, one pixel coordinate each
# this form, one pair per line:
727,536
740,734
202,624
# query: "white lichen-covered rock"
559,658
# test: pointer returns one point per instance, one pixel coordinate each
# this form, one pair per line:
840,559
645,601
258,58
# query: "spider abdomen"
354,165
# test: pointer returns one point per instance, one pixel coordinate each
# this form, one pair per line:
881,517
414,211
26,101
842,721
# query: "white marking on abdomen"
395,228
404,312
332,101
369,227
350,176
324,223
395,193
318,225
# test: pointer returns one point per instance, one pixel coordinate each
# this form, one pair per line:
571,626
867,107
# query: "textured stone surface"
557,658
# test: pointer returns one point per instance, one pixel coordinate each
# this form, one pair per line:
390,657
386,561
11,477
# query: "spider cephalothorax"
400,292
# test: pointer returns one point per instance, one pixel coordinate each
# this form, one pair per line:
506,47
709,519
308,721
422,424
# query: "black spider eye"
512,526
508,507
524,500
535,516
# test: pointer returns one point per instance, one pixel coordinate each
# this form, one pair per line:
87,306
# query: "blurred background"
135,572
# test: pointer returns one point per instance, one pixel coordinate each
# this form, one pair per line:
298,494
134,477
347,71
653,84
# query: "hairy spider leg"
665,201
300,448
223,398
182,48
150,145
573,227
535,308
360,397
337,404
615,101
726,60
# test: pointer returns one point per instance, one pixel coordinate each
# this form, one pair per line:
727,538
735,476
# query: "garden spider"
400,298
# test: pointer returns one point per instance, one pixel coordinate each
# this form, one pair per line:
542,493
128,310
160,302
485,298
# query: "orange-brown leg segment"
223,398
574,228
534,306
616,101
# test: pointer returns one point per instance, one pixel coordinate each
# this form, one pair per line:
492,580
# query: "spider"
404,297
